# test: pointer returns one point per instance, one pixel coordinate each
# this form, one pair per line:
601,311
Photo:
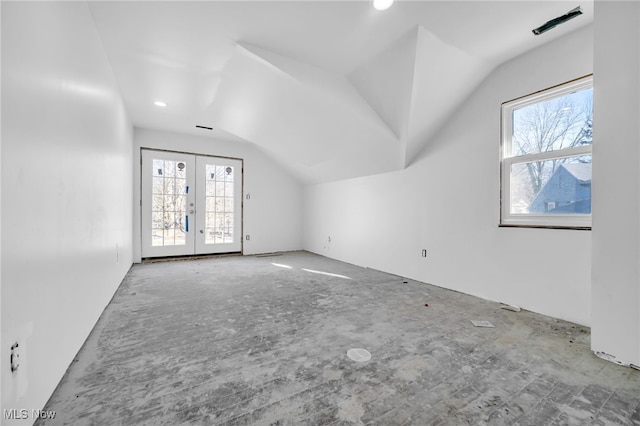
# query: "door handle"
201,231
191,211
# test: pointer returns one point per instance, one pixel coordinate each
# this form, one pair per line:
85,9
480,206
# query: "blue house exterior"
568,191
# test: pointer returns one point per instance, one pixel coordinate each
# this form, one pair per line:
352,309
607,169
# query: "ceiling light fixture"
382,4
160,104
557,21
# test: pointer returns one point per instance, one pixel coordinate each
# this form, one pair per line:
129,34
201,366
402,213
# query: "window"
546,157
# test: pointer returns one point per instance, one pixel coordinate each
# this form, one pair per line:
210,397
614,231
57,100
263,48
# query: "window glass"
553,124
546,157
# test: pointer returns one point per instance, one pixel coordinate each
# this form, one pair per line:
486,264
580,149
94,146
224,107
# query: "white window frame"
507,159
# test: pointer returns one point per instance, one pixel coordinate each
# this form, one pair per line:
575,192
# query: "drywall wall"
616,182
272,216
66,192
447,202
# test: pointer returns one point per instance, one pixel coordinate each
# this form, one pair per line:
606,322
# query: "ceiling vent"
557,21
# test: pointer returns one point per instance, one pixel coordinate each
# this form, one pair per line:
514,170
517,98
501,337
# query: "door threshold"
188,257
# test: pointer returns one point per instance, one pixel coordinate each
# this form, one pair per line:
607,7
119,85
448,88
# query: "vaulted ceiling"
329,89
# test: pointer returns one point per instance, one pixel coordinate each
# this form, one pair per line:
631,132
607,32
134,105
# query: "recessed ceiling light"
382,4
160,104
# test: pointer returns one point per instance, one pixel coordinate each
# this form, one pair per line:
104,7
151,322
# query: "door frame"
141,194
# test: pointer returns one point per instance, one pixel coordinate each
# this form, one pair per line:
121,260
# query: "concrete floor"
246,340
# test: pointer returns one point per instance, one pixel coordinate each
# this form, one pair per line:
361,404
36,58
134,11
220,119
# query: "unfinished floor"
263,340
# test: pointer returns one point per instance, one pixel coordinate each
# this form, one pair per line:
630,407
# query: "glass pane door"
167,203
191,204
220,224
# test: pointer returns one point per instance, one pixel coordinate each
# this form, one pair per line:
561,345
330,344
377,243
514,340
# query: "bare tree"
548,126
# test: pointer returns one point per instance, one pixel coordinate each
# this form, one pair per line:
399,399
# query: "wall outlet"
424,252
329,239
15,357
248,237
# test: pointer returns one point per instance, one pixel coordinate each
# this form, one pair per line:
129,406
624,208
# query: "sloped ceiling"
329,89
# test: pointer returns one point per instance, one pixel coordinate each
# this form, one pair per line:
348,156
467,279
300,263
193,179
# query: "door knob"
191,211
201,231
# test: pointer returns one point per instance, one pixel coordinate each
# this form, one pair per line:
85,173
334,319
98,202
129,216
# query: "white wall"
616,182
448,203
66,192
272,215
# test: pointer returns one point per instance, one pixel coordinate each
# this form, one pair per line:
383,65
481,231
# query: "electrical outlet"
15,357
424,252
329,239
248,237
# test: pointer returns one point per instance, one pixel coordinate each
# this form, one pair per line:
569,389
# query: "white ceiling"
330,89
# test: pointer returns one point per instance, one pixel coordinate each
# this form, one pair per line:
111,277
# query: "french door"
191,204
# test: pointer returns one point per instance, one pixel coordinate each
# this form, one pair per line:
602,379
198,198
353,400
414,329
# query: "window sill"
519,225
